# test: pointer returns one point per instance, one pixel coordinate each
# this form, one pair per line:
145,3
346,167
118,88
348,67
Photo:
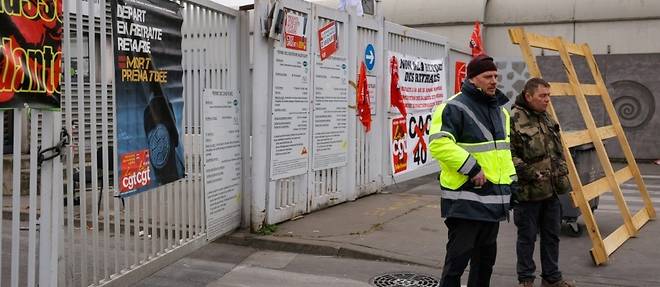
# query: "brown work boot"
529,283
560,283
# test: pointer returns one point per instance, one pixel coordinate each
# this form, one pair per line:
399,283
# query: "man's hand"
479,179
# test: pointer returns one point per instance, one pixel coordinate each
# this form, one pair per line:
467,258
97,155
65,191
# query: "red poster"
135,170
399,145
461,73
30,54
294,32
328,40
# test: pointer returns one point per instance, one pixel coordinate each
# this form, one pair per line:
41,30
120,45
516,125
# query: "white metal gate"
63,225
421,44
30,222
368,167
368,30
314,190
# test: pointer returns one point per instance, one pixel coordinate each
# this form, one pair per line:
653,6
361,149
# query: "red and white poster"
409,145
135,170
294,31
328,40
399,145
461,73
422,83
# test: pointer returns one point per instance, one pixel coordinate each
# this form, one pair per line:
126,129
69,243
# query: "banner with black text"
149,103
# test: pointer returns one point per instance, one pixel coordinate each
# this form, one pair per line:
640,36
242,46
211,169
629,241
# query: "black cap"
480,64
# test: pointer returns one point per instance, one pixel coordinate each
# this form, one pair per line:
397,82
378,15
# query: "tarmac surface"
401,229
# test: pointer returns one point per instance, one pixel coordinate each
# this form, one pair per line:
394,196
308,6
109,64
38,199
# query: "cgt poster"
148,71
422,82
409,142
30,54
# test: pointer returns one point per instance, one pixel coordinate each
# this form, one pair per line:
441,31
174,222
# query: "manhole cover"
405,279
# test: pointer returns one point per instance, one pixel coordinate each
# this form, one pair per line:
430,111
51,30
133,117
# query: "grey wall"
633,83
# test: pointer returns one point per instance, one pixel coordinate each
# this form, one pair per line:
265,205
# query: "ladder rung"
600,186
547,43
558,89
576,138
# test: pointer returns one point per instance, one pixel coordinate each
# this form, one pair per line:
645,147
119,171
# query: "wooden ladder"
582,194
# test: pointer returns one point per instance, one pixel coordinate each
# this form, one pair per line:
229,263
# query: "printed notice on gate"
222,161
330,136
289,142
409,142
422,82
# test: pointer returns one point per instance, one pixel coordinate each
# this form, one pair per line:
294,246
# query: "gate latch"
54,151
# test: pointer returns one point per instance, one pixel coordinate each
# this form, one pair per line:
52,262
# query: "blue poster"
149,102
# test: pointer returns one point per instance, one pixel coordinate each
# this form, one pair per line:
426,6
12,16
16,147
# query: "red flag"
475,41
364,110
395,93
461,73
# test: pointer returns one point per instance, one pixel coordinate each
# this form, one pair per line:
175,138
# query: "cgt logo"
135,170
136,180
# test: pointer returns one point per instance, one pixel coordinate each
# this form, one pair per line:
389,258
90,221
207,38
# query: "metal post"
260,128
246,116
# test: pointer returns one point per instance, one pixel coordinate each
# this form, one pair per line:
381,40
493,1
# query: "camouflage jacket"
537,154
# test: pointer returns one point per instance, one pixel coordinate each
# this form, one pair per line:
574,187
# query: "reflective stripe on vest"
486,133
469,195
485,147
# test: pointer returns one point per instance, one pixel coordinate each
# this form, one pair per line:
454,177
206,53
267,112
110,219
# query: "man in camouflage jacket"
542,175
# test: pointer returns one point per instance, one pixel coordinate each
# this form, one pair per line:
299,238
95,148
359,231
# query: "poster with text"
330,136
409,142
149,103
30,54
371,87
295,28
222,161
328,40
289,142
422,82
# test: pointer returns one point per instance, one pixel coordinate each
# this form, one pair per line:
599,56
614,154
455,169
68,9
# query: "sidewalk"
403,224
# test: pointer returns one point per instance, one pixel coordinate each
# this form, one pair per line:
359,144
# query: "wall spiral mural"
633,102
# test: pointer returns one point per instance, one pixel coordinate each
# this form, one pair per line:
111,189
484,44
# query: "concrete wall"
633,82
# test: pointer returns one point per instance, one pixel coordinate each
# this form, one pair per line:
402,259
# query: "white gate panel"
326,188
287,197
421,44
368,146
369,158
110,241
30,221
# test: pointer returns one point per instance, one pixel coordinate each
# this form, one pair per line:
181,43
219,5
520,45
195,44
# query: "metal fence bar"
94,171
153,195
70,258
45,219
170,215
32,221
135,201
105,152
81,144
2,175
16,199
145,226
57,246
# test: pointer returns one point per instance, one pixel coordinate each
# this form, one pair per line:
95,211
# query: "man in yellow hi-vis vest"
470,139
